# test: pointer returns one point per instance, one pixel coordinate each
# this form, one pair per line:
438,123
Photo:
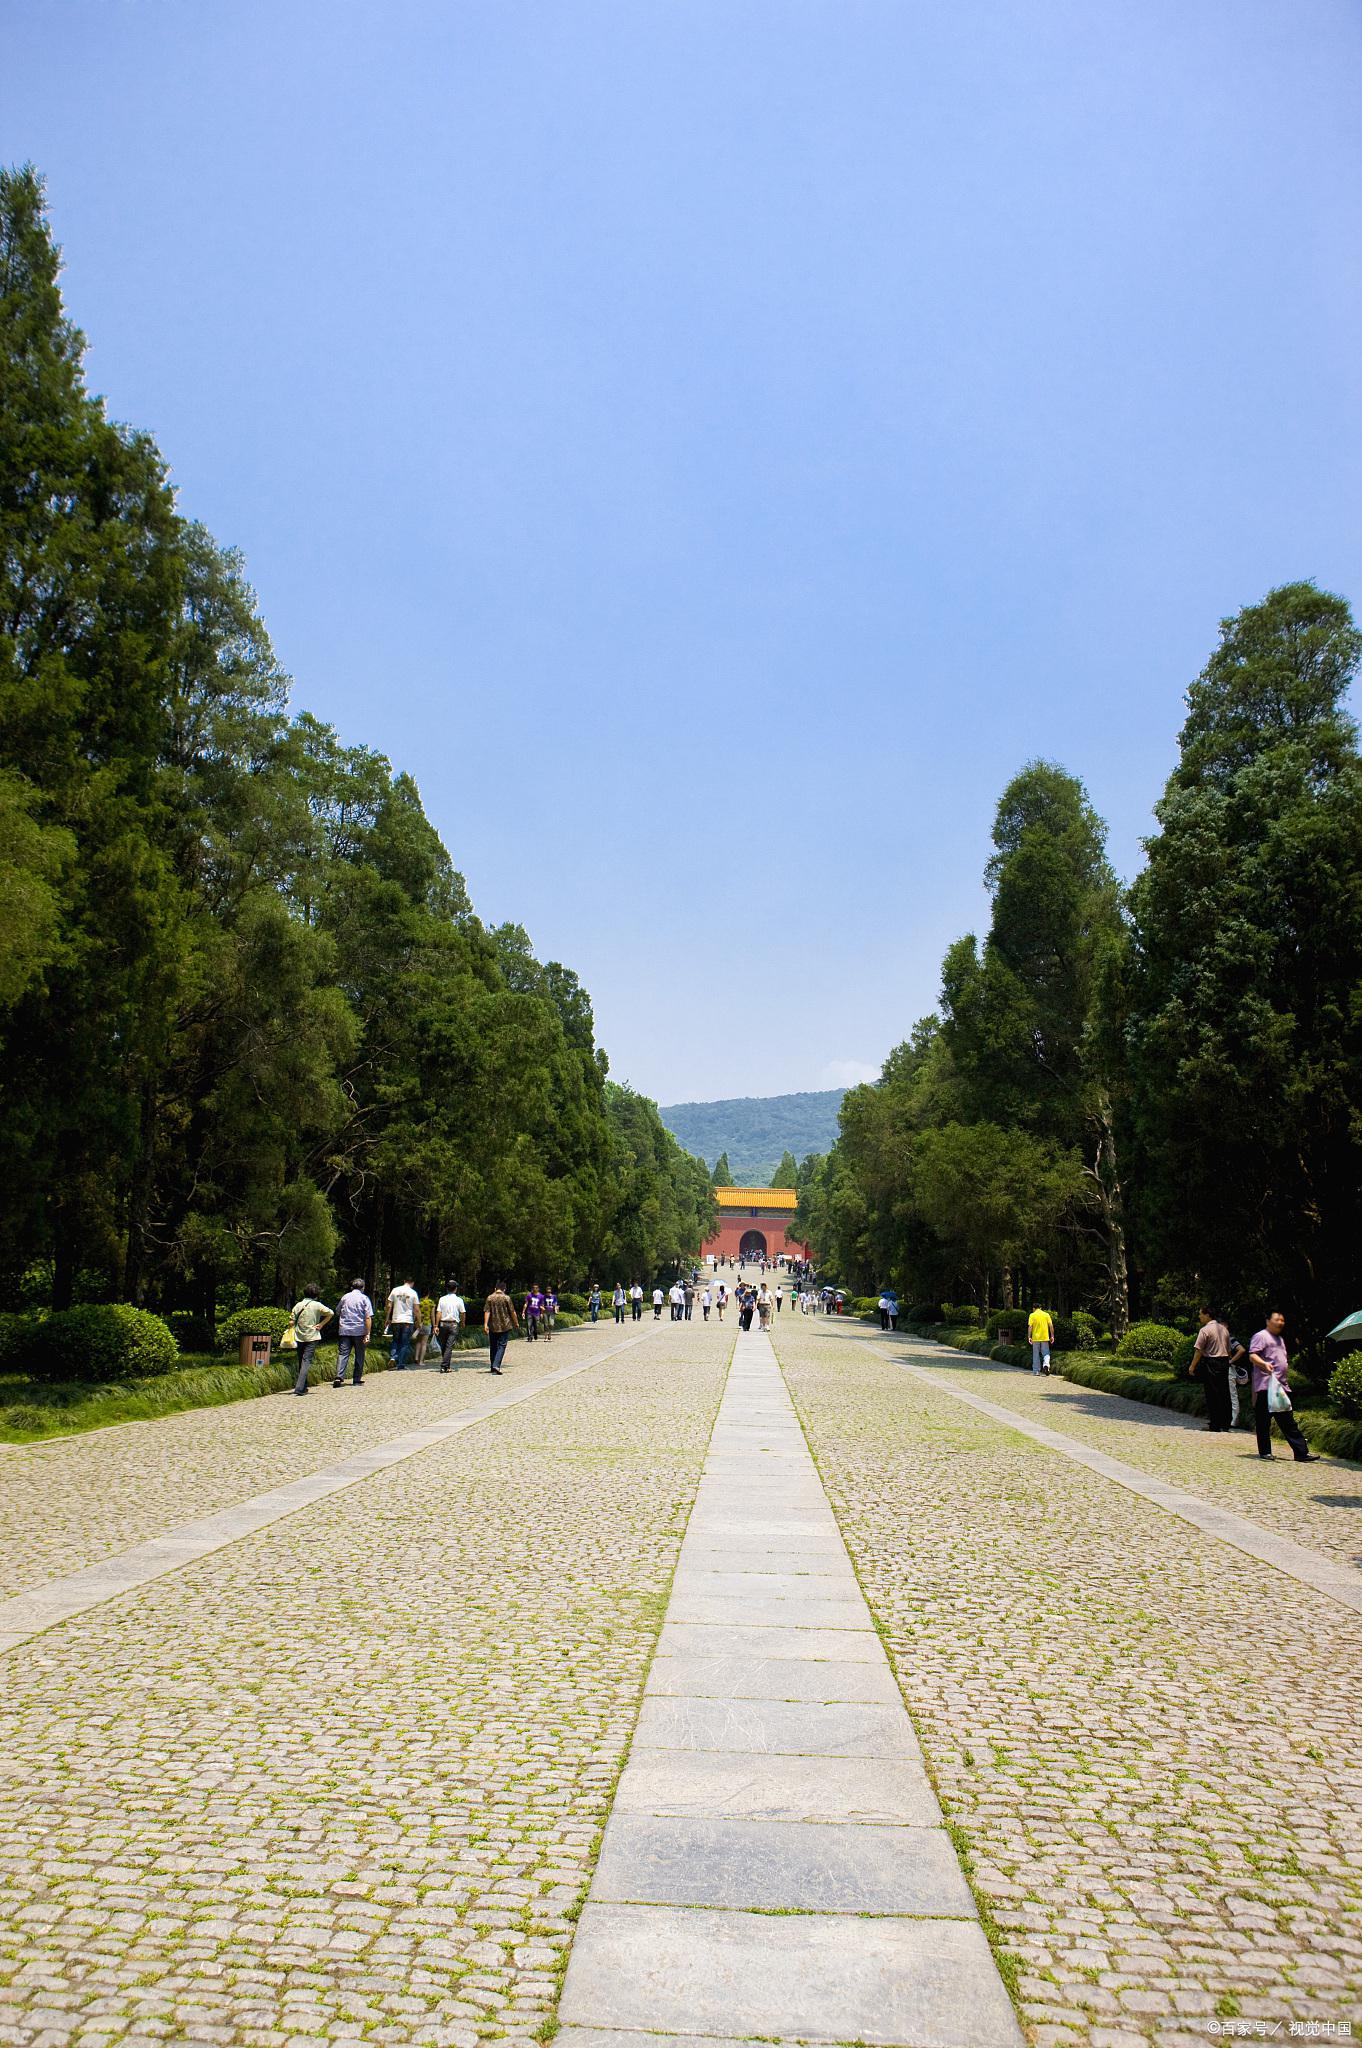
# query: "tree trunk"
1111,1203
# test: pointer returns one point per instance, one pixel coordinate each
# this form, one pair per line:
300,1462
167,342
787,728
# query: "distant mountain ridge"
754,1130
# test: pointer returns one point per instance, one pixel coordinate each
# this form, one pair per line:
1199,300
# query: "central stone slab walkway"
775,1863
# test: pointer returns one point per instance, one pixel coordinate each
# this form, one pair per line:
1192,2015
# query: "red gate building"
753,1223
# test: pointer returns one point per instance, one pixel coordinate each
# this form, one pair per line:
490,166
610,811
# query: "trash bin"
254,1351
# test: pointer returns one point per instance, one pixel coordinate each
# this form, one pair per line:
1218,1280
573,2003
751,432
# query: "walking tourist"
780,1297
534,1313
450,1311
550,1311
657,1304
354,1327
636,1301
499,1319
764,1305
706,1303
1040,1334
1212,1355
399,1322
617,1301
593,1303
425,1327
721,1300
884,1311
688,1297
310,1318
676,1295
1271,1396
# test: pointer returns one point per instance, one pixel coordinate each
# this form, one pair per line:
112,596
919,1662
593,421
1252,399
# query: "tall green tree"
786,1173
1024,1015
722,1175
1245,992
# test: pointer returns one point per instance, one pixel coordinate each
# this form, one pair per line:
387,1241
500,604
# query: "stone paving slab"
800,1610
808,1820
687,1639
911,1983
774,1678
804,1788
836,1867
768,1727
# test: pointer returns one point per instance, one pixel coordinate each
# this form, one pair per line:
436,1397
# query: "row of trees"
1150,1095
251,1030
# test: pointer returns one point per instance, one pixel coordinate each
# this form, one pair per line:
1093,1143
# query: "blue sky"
714,444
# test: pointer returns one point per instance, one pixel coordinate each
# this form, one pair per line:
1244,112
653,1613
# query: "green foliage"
1345,1385
786,1173
1005,1319
959,1313
251,1322
99,1341
722,1176
1087,1329
1245,1030
244,999
1011,1354
1150,1340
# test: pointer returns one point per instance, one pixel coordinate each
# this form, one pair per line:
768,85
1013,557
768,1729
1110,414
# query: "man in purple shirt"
1267,1356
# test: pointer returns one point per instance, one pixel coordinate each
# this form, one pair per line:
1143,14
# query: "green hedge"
1151,1340
255,1322
1345,1386
98,1342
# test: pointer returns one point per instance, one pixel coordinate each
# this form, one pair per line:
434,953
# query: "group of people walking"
1224,1367
411,1323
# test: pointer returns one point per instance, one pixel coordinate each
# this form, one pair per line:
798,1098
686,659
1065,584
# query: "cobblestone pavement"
1150,1746
1314,1504
68,1504
342,1781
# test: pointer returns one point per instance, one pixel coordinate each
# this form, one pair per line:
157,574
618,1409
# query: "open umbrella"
1349,1331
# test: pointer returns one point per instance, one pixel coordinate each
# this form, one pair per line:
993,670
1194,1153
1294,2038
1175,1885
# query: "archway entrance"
753,1245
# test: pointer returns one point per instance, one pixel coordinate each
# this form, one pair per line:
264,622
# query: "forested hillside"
252,1033
755,1130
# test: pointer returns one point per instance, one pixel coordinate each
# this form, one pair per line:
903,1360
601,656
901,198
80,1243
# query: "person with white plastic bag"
1271,1393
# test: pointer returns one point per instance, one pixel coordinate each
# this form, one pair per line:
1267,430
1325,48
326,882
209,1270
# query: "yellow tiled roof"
756,1198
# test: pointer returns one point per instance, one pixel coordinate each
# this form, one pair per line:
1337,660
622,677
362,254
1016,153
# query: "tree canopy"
252,1030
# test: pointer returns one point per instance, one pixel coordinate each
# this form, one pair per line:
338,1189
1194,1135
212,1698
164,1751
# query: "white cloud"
847,1073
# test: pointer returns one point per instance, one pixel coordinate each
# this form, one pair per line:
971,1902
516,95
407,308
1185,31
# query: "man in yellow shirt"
1040,1331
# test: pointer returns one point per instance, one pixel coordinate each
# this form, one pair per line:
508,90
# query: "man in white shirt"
677,1296
400,1315
450,1313
636,1301
657,1304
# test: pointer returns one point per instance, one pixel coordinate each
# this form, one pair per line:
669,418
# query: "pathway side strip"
775,1865
1335,1581
42,1607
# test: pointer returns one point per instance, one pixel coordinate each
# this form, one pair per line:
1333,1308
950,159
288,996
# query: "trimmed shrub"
964,1314
1152,1385
1011,1354
924,1313
1345,1386
1181,1362
100,1341
1150,1340
16,1338
1001,1319
191,1332
261,1322
1087,1327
